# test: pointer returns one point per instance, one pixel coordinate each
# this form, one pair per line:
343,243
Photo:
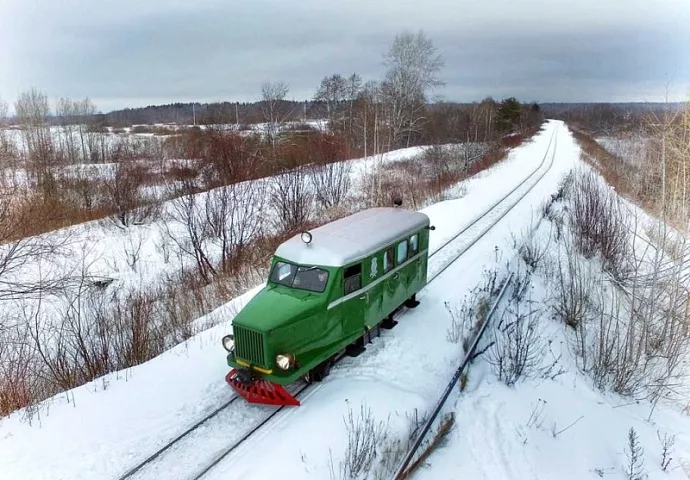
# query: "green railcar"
327,290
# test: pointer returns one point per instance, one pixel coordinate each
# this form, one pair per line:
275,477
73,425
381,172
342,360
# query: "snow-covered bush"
634,468
291,199
467,320
365,436
516,350
599,224
331,182
624,295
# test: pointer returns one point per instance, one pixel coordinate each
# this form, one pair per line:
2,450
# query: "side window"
388,258
374,267
414,244
402,252
353,279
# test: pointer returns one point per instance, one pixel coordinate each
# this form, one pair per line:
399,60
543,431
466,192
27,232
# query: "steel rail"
500,200
401,472
266,419
245,437
156,454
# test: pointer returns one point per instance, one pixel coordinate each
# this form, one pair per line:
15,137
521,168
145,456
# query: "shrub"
364,438
599,224
517,349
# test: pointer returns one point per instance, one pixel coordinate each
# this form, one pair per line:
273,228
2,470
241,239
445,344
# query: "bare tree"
233,216
331,182
8,148
368,123
213,228
186,227
291,199
413,65
19,214
332,92
272,96
32,111
65,113
125,196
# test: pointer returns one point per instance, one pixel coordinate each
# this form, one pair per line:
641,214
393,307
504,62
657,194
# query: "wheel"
388,322
412,302
318,373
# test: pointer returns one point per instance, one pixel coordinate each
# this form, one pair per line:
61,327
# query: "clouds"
127,53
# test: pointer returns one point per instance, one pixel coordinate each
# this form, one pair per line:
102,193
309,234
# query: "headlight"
229,342
286,361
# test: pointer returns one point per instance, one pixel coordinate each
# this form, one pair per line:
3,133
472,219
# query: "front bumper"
274,375
258,390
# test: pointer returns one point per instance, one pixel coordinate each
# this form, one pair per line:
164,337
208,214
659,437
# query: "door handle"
364,297
396,275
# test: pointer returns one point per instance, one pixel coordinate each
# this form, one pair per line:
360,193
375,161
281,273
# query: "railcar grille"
249,345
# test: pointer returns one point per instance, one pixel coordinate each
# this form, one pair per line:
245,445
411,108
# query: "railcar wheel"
356,348
412,302
318,373
388,322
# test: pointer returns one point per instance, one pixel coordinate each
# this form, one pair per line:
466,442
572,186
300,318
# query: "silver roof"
352,238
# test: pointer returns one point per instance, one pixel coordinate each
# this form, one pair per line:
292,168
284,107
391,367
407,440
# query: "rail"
151,458
401,472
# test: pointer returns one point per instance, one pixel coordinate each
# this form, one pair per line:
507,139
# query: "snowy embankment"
631,148
554,422
139,256
100,429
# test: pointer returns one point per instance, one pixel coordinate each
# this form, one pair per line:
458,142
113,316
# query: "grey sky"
134,53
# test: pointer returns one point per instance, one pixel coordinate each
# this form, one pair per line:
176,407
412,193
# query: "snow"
102,429
353,237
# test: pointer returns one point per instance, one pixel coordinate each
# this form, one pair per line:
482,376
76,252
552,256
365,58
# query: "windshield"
305,278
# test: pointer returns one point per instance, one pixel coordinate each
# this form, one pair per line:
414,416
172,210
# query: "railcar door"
375,289
389,284
417,267
354,300
401,277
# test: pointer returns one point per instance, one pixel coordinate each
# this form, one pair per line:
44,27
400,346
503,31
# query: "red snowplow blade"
261,391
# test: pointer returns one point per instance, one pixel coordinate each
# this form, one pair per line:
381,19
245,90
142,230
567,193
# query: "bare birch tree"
8,149
32,111
272,96
413,65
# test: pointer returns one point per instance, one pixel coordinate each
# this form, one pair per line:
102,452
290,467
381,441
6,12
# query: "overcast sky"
129,53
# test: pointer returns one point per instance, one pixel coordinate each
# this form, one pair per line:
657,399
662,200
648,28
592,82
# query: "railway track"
263,415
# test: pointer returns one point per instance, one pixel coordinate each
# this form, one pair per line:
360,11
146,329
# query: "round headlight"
286,361
306,237
229,342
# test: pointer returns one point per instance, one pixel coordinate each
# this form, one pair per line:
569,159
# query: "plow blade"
261,391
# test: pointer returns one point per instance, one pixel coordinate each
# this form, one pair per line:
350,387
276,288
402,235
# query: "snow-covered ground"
106,248
632,148
102,429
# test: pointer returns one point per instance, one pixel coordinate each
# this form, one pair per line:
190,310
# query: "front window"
305,278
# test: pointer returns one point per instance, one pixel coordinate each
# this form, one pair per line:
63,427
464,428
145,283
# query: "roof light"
306,237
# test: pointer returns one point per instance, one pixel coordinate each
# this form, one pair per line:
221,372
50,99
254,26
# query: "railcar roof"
352,238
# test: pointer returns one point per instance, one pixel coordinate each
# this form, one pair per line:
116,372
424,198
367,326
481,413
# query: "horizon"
11,113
